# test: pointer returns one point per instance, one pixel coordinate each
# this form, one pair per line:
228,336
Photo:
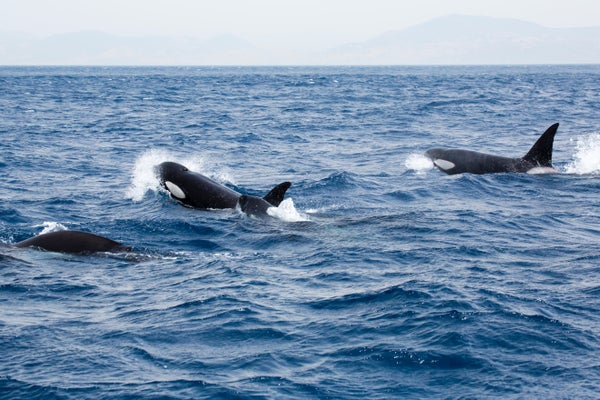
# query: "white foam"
586,157
144,179
287,212
51,226
418,162
542,171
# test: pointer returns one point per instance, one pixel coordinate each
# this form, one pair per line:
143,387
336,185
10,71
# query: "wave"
341,180
19,389
394,293
410,359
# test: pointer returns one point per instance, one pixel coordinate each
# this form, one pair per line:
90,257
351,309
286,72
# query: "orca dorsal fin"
541,152
275,196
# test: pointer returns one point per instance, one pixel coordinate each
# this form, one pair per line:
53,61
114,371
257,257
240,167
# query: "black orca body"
456,161
197,191
73,242
253,205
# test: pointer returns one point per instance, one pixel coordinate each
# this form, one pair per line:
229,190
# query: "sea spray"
287,212
51,226
586,157
418,162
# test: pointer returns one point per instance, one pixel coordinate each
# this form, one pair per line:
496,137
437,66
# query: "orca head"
169,170
171,175
439,159
254,206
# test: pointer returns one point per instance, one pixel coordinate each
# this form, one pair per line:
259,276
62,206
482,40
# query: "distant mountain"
460,39
454,39
98,48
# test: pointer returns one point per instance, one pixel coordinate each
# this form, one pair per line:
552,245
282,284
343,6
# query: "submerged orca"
456,161
197,191
73,242
253,205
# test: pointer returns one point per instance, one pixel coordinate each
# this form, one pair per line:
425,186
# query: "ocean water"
379,277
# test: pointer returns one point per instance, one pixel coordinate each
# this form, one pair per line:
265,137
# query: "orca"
75,242
198,191
457,161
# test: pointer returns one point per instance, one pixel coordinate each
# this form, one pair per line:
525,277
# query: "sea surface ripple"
381,277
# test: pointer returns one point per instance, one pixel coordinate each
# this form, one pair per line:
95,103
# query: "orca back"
73,242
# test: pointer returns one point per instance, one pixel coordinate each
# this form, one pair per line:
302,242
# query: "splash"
418,162
287,212
143,178
587,156
50,226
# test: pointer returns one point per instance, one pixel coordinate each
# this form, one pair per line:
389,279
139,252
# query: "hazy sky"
297,22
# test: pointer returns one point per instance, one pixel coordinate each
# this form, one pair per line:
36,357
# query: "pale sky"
298,23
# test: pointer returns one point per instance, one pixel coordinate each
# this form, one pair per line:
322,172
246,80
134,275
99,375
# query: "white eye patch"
175,190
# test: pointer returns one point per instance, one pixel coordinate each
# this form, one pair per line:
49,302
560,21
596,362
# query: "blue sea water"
381,277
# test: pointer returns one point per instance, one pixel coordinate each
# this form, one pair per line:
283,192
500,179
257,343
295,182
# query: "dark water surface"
381,278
